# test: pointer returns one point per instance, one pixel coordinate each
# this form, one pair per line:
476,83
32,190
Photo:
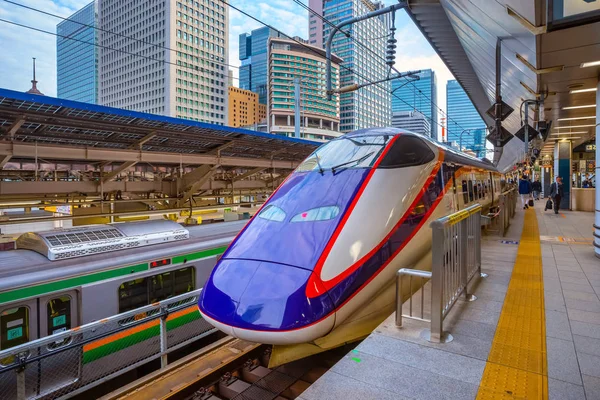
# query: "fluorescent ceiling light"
578,107
590,64
568,133
575,126
567,138
576,118
582,90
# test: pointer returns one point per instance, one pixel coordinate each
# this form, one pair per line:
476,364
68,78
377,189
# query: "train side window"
14,327
465,192
475,190
407,151
184,281
470,190
133,294
161,286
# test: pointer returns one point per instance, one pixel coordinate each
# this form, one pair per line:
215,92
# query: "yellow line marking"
517,364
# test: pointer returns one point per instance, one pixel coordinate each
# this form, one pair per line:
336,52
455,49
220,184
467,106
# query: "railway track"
230,369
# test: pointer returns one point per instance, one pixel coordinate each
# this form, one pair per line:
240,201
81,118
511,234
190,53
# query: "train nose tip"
250,295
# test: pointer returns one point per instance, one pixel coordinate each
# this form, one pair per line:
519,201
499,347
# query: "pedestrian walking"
557,193
537,189
524,191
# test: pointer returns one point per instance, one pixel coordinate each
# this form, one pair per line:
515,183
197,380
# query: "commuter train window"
272,213
184,281
14,329
407,151
475,190
465,192
471,197
345,152
317,214
133,294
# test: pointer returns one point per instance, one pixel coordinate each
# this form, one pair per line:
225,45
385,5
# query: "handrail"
66,355
456,259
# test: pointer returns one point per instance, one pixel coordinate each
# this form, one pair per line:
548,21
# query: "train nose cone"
260,301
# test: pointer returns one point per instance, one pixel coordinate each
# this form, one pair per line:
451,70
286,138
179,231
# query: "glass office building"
464,120
253,49
418,95
369,106
76,61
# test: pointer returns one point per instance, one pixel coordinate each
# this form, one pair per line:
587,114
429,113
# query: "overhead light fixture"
576,118
578,107
569,133
582,90
575,126
590,64
565,139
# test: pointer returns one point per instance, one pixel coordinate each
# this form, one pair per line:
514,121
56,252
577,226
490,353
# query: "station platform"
533,332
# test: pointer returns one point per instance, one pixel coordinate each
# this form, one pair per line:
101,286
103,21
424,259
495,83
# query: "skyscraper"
289,60
464,120
76,60
369,106
418,95
253,48
413,121
183,72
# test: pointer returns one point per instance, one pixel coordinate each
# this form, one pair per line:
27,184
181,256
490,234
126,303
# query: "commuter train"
62,279
331,238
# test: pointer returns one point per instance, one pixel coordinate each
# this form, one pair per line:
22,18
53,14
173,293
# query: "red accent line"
311,288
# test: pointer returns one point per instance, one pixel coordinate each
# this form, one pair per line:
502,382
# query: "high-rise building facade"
418,95
369,106
291,61
412,121
465,125
244,108
253,48
77,56
183,72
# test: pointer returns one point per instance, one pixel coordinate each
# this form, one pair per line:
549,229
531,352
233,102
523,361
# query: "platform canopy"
58,129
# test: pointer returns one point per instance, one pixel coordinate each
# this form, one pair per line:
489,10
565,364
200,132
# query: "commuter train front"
328,239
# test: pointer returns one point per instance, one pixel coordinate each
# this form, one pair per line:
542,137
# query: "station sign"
590,147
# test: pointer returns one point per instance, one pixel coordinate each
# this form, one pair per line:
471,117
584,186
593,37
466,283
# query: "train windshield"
358,152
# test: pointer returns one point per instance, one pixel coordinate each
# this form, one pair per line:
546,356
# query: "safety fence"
498,220
71,362
456,259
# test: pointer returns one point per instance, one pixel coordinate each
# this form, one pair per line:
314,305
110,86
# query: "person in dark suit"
557,193
537,188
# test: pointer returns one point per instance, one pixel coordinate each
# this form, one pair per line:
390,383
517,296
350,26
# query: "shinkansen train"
329,241
62,279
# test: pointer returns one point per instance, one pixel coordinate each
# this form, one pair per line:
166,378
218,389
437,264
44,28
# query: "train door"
18,325
455,187
59,313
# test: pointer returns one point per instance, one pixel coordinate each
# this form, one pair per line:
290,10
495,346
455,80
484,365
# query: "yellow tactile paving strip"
516,366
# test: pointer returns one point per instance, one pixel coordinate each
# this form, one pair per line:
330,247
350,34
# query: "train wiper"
319,164
351,162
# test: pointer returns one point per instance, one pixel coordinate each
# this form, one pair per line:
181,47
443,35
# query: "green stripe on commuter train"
37,290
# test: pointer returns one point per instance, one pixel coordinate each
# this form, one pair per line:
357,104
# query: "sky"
19,44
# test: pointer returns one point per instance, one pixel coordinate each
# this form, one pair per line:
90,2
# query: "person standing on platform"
537,188
556,193
524,191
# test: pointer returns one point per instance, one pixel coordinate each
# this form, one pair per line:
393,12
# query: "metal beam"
49,152
143,141
5,160
218,149
249,173
194,176
47,189
194,187
115,172
15,126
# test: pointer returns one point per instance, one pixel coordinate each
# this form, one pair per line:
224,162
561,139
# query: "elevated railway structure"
66,151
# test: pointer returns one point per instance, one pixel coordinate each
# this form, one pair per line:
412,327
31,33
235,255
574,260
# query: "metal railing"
456,259
499,220
71,362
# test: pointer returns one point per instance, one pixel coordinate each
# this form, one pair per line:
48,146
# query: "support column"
597,213
562,168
